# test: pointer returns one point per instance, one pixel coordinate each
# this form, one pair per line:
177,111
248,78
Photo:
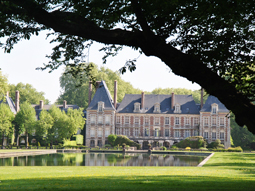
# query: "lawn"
224,171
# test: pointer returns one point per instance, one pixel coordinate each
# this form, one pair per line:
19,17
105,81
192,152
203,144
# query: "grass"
224,171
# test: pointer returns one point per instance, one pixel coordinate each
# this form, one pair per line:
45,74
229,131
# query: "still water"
102,159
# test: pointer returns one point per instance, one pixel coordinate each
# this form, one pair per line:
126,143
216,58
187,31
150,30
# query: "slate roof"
210,100
102,94
10,103
187,103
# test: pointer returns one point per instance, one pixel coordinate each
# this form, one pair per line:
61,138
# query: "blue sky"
20,66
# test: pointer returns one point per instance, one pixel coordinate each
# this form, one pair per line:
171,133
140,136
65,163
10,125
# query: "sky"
20,66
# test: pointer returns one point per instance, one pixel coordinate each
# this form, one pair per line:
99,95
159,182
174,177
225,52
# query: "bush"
174,147
107,145
78,139
163,148
111,139
235,149
192,142
123,139
215,145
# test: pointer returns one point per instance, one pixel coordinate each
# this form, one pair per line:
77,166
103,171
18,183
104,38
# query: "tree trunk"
17,140
3,140
26,140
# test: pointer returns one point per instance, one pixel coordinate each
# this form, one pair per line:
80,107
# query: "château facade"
160,120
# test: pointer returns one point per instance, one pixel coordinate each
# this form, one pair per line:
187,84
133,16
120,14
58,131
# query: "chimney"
41,104
172,101
64,104
90,92
142,101
97,84
17,100
115,94
7,94
202,97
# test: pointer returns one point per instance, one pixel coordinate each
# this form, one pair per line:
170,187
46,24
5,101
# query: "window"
166,132
177,108
118,119
137,107
92,119
107,119
214,108
206,135
166,120
126,119
156,120
146,121
118,131
100,119
92,132
99,133
176,133
186,120
206,121
92,143
146,132
177,121
214,121
195,133
107,132
136,132
156,108
187,133
100,106
195,121
222,135
126,131
136,120
156,132
221,121
213,135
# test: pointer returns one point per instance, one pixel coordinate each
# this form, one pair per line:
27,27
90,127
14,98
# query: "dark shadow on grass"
159,183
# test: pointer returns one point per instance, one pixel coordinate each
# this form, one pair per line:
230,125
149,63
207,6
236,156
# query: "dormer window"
137,107
156,108
177,108
100,106
214,108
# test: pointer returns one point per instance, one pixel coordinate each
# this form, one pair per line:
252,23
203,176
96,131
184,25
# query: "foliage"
124,140
163,148
4,86
6,118
75,89
111,139
236,149
215,145
27,94
69,143
107,145
79,139
25,120
193,142
241,135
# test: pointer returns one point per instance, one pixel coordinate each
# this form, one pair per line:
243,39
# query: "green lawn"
224,171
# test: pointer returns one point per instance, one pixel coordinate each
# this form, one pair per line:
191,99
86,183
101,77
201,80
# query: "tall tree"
4,86
25,121
204,41
6,118
27,93
75,90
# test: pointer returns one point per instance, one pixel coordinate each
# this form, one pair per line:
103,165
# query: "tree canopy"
209,42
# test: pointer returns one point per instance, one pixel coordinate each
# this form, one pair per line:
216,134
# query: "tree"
209,42
75,91
25,121
6,118
27,93
4,86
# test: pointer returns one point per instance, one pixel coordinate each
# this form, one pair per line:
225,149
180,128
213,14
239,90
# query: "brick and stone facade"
160,120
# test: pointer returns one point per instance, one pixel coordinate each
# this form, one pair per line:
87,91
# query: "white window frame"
100,120
126,131
187,121
107,119
187,133
222,121
168,132
177,120
214,135
146,120
99,133
206,135
117,119
222,137
117,131
214,121
137,120
107,132
146,132
127,119
196,120
136,132
214,110
93,119
137,107
176,133
177,108
167,121
156,108
92,132
156,120
206,121
100,106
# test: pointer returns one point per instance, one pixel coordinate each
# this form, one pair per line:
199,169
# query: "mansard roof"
187,103
211,100
102,94
10,103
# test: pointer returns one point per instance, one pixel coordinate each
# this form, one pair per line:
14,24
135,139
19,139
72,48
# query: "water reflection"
102,159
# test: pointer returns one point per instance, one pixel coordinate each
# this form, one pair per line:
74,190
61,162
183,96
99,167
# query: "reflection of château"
160,120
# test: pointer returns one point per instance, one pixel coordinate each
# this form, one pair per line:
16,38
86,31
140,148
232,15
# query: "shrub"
78,139
174,147
38,144
123,139
163,148
215,145
107,145
111,139
235,149
193,142
187,148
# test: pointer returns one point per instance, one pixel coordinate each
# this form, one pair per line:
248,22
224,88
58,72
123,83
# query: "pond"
103,159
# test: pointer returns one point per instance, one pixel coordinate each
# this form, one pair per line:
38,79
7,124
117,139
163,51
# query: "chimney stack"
64,104
115,94
97,84
202,97
142,101
41,104
90,92
17,100
172,101
7,94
